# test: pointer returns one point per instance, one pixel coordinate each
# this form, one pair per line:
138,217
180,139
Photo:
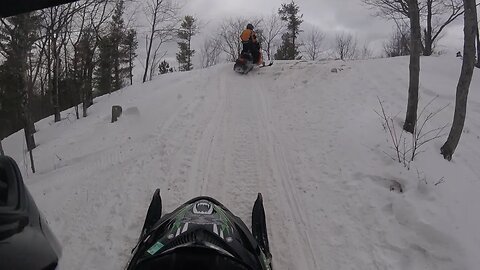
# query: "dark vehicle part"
15,7
26,241
244,63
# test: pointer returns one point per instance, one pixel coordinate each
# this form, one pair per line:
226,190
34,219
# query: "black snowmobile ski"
154,212
259,227
269,65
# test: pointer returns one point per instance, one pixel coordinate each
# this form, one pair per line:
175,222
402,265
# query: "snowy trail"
305,137
239,161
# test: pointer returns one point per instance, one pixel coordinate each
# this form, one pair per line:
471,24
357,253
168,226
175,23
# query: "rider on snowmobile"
250,43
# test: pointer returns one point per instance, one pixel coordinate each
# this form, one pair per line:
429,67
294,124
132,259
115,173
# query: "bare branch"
346,46
313,43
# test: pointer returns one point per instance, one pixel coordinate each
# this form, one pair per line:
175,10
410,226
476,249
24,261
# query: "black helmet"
250,26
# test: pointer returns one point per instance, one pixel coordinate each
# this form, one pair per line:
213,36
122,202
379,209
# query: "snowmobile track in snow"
286,177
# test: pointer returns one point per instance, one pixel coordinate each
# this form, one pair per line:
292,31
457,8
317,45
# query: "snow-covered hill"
304,136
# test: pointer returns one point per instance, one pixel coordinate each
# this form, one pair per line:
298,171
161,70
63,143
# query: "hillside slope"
307,138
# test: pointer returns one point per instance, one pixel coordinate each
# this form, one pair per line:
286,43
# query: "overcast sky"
329,15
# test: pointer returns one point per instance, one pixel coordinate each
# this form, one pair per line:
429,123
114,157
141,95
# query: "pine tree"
129,48
117,38
84,65
164,67
289,48
17,35
117,53
105,67
188,29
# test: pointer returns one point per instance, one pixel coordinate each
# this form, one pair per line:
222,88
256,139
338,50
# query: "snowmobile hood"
200,226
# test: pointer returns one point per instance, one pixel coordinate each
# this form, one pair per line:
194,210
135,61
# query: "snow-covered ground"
305,137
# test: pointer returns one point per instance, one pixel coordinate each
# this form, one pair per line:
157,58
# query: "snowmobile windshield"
192,258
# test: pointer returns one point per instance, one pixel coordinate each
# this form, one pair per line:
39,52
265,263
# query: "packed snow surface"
306,137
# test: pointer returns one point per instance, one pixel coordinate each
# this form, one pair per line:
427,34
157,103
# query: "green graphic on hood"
178,218
227,225
155,248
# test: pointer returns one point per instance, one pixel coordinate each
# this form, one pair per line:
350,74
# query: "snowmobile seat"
8,184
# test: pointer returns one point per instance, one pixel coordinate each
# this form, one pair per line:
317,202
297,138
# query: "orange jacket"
248,35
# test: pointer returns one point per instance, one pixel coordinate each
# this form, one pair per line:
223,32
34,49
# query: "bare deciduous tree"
390,9
478,47
437,14
399,42
406,152
56,28
210,52
365,52
345,46
19,34
162,17
313,43
470,28
95,13
414,81
272,27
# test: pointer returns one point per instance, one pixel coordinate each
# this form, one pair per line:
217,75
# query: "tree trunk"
415,50
268,51
470,27
54,82
118,83
87,87
26,118
130,66
1,149
293,46
428,50
31,122
149,51
478,47
189,60
84,109
22,50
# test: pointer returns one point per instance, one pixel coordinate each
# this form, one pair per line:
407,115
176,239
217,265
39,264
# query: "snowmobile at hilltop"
201,234
251,54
